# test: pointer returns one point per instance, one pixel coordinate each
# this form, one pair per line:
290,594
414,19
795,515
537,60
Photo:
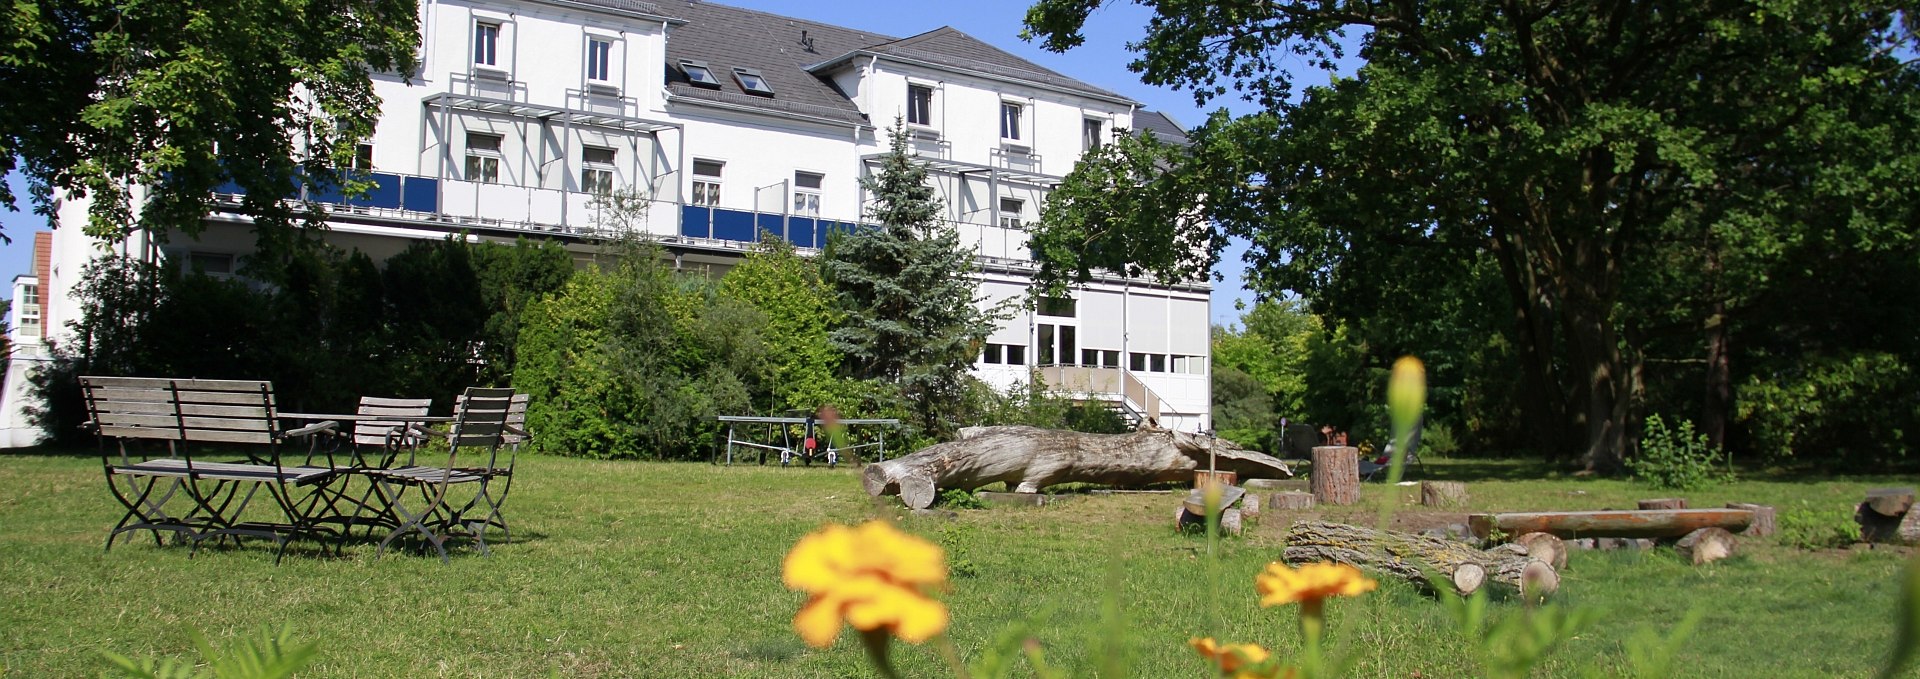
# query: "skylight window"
751,81
699,74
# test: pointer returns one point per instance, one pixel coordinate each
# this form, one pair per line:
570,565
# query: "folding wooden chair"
491,497
373,444
479,426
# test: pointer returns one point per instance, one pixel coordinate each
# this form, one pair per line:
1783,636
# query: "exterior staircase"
1117,388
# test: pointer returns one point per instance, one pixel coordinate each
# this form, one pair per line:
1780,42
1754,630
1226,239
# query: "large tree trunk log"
1443,494
1030,458
1336,475
1665,523
1405,555
1763,522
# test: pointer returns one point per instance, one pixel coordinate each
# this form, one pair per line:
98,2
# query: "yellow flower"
1310,584
873,577
1236,660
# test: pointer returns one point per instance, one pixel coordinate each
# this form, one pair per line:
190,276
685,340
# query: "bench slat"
253,386
163,396
163,408
220,423
173,434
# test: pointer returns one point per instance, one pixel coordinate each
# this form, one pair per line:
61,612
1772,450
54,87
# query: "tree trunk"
1706,545
1403,555
1763,524
1443,494
1669,523
1718,403
1336,475
1030,458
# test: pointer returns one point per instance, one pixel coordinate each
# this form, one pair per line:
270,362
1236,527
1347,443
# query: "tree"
177,97
905,290
787,288
1572,147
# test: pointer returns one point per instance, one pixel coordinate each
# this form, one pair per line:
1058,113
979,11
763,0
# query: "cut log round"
1443,493
1290,500
1545,547
1538,580
1250,507
1403,555
1336,475
1230,522
1468,578
1664,503
1706,545
1890,502
1662,523
1030,459
1763,522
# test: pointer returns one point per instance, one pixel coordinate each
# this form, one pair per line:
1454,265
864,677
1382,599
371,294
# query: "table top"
342,417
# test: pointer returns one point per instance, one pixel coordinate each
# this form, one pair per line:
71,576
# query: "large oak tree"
1621,165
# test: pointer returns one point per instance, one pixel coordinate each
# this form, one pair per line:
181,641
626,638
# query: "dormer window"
751,81
698,73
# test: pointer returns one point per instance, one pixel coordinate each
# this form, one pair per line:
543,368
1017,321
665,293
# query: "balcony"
447,203
1118,386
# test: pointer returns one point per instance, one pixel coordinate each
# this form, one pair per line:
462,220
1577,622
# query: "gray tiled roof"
949,47
1163,127
636,6
729,37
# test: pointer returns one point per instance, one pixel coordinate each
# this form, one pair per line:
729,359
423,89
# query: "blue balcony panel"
800,232
735,225
420,194
696,221
385,192
770,223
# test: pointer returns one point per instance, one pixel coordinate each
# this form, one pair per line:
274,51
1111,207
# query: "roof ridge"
816,22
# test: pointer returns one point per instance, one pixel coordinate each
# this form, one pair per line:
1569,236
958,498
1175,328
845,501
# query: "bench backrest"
213,411
375,432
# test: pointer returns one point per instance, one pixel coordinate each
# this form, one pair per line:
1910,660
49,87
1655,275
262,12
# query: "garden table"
379,513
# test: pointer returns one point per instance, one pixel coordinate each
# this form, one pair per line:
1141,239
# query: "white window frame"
1099,137
1019,122
479,158
589,169
706,190
933,105
603,60
806,200
483,47
1017,219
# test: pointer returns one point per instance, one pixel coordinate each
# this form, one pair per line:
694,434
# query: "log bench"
1660,523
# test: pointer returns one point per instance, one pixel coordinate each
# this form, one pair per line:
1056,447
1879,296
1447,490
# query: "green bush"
1437,440
1854,407
1677,458
1806,527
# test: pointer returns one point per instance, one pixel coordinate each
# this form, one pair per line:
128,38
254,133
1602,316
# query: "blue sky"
1102,61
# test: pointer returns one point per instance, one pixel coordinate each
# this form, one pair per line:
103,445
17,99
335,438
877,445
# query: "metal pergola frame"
781,429
995,176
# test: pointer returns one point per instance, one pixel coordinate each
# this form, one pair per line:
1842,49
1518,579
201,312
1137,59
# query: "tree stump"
1763,524
1230,522
1664,503
1411,556
1443,493
1890,502
1545,547
1336,475
1290,500
1250,507
1706,545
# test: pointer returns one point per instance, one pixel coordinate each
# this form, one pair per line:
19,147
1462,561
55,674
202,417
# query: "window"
30,294
1158,363
1090,133
752,82
596,170
1057,344
1110,358
1137,362
483,158
1016,354
990,354
486,40
698,73
30,310
806,193
919,105
1090,357
210,263
362,158
1010,120
706,182
1011,210
1057,306
599,59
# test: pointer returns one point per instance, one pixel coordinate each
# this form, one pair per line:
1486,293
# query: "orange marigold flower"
873,577
1280,585
1239,661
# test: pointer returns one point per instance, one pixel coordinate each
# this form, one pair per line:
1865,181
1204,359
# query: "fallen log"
1415,557
1030,459
1662,523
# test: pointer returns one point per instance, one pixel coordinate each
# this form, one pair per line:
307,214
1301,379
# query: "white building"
735,122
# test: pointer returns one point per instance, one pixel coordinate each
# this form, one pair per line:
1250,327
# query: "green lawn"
672,570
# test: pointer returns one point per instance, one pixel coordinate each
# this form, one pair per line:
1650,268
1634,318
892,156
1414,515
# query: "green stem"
1312,627
878,643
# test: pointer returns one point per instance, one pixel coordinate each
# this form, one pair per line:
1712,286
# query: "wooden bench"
186,415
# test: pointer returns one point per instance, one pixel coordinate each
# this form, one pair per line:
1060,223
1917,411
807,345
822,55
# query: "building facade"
726,123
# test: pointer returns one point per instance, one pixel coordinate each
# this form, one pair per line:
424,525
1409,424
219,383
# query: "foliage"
621,214
1260,371
1810,527
787,289
1436,440
1678,458
267,655
1030,403
1596,173
177,97
1855,408
954,498
906,292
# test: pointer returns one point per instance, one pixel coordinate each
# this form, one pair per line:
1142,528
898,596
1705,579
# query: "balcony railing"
523,208
1106,384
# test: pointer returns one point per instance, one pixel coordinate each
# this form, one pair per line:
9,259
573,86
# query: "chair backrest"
517,419
375,432
480,418
212,411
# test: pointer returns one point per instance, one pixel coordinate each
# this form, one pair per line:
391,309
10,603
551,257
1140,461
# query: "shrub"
1677,458
1857,406
1437,440
1806,527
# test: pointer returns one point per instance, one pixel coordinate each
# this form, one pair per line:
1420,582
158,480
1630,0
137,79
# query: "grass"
672,570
